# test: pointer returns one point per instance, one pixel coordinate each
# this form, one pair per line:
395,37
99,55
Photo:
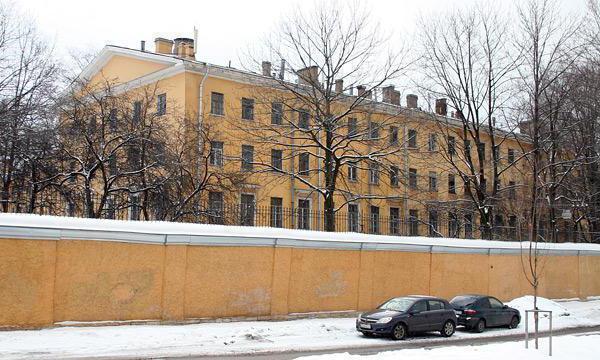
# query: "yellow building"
416,191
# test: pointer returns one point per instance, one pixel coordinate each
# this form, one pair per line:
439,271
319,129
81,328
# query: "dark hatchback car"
398,317
477,312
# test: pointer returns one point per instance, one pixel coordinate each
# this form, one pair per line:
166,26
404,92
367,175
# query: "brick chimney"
391,96
163,46
266,68
184,48
411,101
308,76
441,108
339,86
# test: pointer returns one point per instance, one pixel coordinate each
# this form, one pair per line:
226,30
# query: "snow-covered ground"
570,347
242,337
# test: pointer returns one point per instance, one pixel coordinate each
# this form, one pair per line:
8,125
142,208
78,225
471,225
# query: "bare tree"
548,48
332,50
467,60
28,74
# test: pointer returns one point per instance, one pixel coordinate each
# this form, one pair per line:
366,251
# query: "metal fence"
444,224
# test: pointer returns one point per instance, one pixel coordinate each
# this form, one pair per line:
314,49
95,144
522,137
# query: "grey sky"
225,27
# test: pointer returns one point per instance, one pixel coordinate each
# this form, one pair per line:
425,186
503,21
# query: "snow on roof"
176,228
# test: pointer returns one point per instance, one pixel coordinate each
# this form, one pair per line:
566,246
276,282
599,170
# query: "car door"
418,316
436,314
502,315
484,311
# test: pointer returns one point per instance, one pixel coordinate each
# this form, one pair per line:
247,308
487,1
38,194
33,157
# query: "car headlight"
384,320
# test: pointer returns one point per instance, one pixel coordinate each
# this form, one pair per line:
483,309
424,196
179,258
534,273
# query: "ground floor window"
304,214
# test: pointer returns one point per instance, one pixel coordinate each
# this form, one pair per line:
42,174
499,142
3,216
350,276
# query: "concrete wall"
43,282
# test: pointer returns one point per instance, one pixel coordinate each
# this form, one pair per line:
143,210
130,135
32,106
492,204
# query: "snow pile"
526,303
581,347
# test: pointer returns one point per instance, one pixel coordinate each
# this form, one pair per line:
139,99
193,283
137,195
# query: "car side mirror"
505,306
413,312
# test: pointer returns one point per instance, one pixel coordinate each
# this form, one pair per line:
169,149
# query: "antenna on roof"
195,40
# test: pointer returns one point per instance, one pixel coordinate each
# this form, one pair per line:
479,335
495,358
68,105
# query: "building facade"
422,187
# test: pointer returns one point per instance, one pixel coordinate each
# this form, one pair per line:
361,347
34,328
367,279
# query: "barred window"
161,105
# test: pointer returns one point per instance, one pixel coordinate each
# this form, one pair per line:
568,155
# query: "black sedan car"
400,316
477,312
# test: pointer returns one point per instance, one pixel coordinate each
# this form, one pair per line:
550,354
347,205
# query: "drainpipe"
201,115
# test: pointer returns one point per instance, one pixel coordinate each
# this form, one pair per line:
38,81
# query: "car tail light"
470,312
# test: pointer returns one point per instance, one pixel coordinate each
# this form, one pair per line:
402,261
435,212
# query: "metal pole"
550,342
526,329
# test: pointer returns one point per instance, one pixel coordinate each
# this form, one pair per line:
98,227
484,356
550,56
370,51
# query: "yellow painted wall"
43,282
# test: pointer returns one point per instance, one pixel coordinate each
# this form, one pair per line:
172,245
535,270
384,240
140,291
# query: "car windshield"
463,300
397,304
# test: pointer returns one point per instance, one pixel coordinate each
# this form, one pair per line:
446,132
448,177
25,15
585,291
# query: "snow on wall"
180,230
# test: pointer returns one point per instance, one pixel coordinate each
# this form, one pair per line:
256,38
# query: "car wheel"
514,322
480,326
399,332
448,329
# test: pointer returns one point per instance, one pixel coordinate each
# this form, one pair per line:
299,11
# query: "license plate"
365,326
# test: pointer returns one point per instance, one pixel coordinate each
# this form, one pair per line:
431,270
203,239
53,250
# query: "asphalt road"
398,345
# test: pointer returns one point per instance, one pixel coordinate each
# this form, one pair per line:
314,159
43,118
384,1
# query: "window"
374,130
110,207
303,119
374,173
374,217
467,145
247,109
352,127
484,303
419,306
435,305
511,156
276,212
137,111
393,135
161,104
483,185
496,150
413,222
112,119
394,220
451,145
352,171
247,210
412,139
412,178
468,226
247,157
353,217
432,144
433,223
276,113
394,179
112,164
304,214
216,103
495,303
134,212
451,184
453,225
512,224
303,163
276,159
433,187
216,153
481,150
215,207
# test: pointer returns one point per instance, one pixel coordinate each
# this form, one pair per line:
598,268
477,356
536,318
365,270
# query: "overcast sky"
225,27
